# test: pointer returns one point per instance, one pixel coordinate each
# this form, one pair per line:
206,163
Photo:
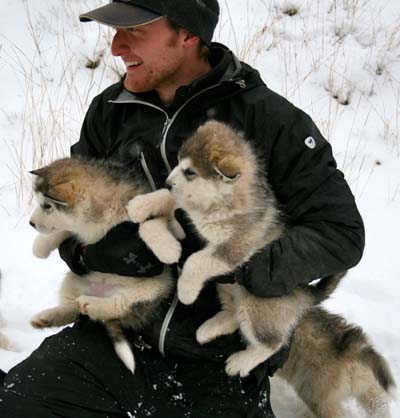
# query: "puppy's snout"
32,224
169,184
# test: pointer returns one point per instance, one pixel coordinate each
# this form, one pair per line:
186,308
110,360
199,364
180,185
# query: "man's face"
153,55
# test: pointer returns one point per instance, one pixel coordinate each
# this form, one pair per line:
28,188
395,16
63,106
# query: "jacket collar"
225,68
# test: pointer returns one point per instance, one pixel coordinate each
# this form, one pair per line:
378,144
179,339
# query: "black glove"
121,251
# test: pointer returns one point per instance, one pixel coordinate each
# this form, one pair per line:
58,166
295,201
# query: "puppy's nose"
32,224
168,184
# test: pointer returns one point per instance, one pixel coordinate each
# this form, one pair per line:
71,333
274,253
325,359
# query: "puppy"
220,183
86,199
331,361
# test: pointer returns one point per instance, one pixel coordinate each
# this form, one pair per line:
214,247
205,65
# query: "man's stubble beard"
159,76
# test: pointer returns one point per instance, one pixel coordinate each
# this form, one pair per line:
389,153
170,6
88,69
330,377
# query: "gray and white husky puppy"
332,361
86,199
220,183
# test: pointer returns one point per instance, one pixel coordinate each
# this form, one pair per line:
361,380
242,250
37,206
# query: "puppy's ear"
41,172
228,169
64,194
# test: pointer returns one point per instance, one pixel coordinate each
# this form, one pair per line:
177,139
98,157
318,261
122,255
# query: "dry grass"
59,80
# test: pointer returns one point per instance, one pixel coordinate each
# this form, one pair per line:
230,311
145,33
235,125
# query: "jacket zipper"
169,121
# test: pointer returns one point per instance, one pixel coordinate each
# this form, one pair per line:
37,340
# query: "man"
175,80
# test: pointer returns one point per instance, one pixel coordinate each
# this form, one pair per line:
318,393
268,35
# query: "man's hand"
121,251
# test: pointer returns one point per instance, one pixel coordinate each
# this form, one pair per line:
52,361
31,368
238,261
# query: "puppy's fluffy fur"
219,182
331,361
86,199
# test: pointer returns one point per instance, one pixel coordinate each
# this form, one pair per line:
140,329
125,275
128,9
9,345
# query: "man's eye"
189,173
46,206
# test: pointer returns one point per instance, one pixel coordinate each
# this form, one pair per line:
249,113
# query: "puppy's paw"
188,291
40,321
235,365
160,240
42,246
44,319
205,334
95,308
140,208
241,363
168,254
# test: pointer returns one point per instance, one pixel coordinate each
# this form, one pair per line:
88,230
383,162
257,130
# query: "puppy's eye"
189,173
46,206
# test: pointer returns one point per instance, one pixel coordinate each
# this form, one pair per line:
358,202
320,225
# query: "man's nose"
119,45
32,224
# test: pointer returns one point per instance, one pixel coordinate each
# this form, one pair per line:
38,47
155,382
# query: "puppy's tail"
380,368
325,287
121,345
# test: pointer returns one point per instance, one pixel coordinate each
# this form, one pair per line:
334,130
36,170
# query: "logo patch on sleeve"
310,142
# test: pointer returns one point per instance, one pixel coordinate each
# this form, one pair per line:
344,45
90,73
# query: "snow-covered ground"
339,60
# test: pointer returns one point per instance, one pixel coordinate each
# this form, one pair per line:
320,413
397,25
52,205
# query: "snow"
339,60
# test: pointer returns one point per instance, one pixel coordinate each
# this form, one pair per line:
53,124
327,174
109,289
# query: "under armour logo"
310,142
131,259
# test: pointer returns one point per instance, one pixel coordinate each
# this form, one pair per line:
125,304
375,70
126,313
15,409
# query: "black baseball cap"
199,17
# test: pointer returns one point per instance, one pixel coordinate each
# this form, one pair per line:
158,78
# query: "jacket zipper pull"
241,84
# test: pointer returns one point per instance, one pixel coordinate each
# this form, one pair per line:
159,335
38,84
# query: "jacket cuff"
250,278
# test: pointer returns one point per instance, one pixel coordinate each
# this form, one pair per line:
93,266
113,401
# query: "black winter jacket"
324,231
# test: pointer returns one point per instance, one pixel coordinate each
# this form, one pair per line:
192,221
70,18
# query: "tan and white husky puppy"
219,182
331,361
86,199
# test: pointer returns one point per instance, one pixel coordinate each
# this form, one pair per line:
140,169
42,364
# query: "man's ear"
228,169
190,40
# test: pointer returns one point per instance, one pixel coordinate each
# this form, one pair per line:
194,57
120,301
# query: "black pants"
76,374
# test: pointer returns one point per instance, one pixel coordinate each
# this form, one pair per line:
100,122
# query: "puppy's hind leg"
223,323
56,317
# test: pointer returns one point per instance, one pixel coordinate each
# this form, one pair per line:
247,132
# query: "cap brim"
120,15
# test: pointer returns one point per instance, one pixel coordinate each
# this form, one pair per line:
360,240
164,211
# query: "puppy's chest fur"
235,237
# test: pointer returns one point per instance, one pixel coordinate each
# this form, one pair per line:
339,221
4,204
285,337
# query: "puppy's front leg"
151,205
197,270
44,244
156,234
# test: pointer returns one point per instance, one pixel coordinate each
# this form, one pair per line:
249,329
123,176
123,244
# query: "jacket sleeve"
324,232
